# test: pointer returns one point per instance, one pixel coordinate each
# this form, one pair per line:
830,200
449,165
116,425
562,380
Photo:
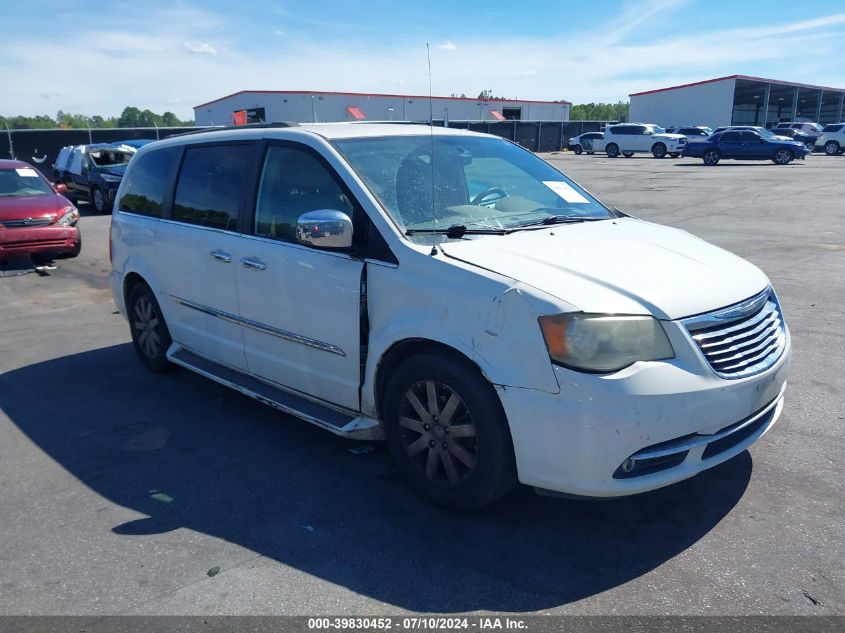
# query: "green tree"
168,119
130,117
599,112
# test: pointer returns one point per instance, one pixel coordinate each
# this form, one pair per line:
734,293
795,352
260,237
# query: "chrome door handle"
223,257
254,263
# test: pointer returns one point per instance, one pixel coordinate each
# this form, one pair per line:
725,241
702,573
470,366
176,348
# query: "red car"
35,218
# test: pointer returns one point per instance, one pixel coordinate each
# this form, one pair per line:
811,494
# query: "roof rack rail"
248,126
371,122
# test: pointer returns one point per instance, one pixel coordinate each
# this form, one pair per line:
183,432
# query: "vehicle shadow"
741,163
189,453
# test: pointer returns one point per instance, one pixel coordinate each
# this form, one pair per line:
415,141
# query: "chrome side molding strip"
260,327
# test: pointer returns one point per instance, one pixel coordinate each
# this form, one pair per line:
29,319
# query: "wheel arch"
130,280
401,350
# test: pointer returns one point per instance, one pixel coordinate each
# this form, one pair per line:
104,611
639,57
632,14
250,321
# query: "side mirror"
326,228
60,187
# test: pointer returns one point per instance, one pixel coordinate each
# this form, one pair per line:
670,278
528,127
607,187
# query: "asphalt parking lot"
123,492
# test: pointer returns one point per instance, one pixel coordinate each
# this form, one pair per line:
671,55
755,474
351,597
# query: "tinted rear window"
832,128
211,185
146,182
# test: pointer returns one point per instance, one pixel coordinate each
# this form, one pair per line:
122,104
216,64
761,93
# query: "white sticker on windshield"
566,192
27,172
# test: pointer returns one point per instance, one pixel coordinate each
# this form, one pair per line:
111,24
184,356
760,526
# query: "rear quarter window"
832,128
146,182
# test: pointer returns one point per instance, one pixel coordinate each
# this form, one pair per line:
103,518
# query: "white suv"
450,292
832,139
630,138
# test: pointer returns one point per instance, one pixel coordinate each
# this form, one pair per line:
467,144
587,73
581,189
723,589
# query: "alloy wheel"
831,148
783,156
711,157
438,433
99,201
146,327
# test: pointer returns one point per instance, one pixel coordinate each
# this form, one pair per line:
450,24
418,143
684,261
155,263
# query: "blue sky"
97,57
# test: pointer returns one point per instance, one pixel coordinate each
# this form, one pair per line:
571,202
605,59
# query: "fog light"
629,464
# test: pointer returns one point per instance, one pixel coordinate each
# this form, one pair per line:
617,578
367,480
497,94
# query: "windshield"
114,158
478,182
23,181
767,133
656,129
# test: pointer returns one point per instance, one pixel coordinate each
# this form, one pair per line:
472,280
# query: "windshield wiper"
559,219
457,231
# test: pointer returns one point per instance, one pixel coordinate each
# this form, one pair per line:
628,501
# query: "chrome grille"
28,223
742,339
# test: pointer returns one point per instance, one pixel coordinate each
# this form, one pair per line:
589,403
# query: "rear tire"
612,150
658,150
831,148
783,157
150,335
711,157
447,431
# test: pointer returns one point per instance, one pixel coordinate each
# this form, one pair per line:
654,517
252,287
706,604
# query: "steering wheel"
501,193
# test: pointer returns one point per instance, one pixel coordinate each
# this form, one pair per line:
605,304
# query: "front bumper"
18,242
678,414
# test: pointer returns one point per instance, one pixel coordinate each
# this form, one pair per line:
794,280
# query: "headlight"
110,178
604,343
68,217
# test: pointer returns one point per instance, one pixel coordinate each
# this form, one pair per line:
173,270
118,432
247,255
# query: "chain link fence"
40,147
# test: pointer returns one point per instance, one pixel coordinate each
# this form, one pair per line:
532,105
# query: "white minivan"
451,293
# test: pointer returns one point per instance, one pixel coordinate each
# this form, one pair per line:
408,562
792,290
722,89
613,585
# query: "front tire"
658,150
831,148
77,247
150,335
612,150
711,157
99,200
447,432
577,149
783,157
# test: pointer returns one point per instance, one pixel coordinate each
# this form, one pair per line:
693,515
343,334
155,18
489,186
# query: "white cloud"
200,48
166,61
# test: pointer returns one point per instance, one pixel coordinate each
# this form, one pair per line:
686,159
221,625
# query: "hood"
671,137
19,207
622,266
116,170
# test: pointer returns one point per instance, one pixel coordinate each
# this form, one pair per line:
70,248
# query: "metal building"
252,106
738,100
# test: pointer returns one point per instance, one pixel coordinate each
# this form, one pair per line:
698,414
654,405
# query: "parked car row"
39,218
782,144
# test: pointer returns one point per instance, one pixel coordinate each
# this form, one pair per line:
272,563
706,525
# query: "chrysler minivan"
452,293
